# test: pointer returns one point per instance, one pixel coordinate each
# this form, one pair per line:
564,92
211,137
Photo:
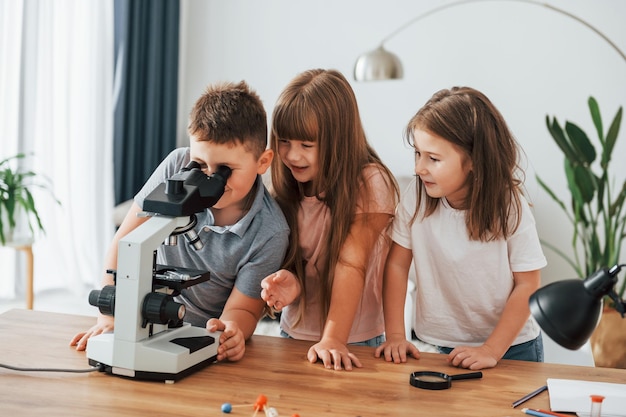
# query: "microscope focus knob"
161,308
104,299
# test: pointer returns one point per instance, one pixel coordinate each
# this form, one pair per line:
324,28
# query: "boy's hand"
333,355
280,289
396,348
474,358
232,342
104,325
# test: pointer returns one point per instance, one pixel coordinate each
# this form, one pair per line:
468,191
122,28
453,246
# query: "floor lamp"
380,64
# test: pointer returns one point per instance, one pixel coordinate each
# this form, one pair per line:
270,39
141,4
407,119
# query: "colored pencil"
529,396
541,413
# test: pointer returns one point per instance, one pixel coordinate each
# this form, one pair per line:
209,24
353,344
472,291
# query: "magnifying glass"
438,380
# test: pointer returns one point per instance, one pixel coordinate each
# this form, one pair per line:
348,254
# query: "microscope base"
168,356
154,376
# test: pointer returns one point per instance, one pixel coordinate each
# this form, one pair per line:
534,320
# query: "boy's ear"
265,160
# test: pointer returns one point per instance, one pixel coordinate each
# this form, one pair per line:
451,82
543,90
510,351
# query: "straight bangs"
294,121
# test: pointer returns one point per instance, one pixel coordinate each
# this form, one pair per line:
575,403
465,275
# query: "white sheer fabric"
56,78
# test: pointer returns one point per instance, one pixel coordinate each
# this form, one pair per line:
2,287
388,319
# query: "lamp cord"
536,3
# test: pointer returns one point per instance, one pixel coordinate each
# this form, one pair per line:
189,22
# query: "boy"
245,234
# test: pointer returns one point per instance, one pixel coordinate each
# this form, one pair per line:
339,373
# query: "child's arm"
515,314
395,281
347,289
237,322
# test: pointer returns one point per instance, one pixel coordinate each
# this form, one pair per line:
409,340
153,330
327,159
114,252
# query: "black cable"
17,368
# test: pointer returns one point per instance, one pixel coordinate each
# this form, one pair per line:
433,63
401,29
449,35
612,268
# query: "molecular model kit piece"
259,405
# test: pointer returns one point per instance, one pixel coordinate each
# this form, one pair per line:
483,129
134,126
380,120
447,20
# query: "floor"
67,302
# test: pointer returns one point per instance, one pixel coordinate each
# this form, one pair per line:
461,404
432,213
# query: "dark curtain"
146,89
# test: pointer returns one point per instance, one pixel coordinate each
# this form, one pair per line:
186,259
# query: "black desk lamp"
569,310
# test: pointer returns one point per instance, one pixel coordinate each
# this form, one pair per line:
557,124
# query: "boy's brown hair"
230,112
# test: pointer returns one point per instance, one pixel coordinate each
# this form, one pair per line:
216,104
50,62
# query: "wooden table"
272,366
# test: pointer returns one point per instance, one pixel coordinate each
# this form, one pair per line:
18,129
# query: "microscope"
150,340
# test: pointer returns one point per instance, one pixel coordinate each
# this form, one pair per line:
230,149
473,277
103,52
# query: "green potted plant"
16,199
597,210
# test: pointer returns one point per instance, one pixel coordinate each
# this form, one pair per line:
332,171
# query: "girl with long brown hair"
471,236
339,199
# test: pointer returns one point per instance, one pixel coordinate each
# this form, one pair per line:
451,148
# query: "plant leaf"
581,183
594,109
2,239
587,182
6,160
561,140
611,138
31,207
585,151
616,207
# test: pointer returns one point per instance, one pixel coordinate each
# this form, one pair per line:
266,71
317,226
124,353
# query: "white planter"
21,233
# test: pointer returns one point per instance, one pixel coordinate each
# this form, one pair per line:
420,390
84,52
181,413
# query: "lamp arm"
620,305
458,3
422,16
578,19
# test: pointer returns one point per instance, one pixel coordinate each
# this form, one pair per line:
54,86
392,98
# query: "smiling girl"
471,236
339,199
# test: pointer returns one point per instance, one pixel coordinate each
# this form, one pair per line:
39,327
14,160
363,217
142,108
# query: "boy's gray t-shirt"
239,255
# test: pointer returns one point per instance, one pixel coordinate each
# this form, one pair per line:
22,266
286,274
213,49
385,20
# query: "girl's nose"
293,154
419,168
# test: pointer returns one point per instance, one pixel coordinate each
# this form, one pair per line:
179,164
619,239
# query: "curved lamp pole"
380,64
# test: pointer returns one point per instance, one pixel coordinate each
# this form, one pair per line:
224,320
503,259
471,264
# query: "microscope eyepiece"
191,165
187,192
222,171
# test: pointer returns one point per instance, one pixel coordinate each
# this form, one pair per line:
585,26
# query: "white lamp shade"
378,64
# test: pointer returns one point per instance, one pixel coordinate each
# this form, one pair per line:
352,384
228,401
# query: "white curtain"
56,83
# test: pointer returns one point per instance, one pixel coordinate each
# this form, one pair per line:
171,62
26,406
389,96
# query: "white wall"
531,61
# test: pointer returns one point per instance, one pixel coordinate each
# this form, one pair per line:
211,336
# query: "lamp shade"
569,311
566,311
378,64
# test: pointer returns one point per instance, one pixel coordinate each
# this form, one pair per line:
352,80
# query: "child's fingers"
231,351
214,325
267,281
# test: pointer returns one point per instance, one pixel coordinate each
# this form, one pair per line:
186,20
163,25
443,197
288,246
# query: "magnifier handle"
471,375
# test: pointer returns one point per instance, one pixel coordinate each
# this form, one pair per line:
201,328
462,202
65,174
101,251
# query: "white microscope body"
144,343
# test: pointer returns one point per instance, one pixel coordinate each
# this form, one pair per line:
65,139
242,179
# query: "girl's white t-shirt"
462,284
314,224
